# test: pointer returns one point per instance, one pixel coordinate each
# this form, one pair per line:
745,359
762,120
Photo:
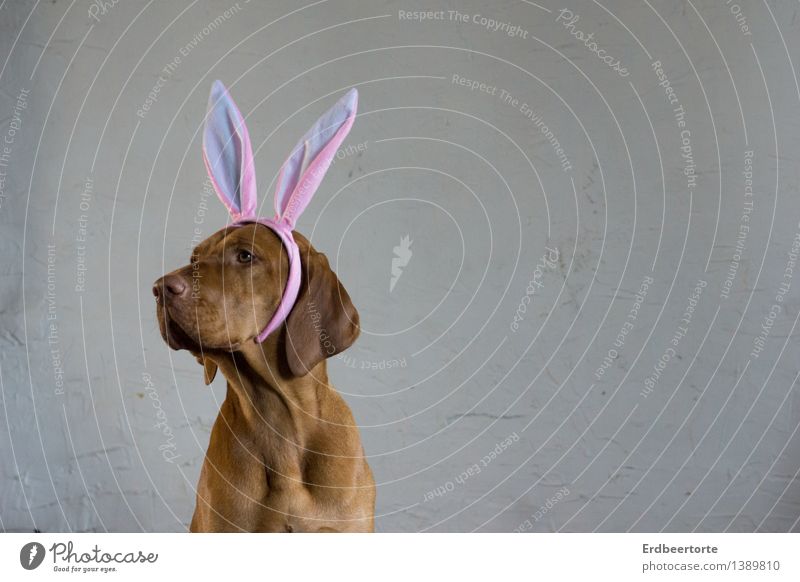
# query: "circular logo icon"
31,555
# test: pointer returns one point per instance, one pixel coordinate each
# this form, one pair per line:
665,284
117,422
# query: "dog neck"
264,393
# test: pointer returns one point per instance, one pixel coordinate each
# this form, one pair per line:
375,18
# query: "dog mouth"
172,331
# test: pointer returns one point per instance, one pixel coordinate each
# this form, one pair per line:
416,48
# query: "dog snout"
169,287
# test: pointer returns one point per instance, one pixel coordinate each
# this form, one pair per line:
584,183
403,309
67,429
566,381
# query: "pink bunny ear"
228,155
303,171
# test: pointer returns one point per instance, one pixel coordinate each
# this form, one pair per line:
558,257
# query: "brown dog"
285,453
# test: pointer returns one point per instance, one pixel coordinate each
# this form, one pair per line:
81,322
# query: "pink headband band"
228,158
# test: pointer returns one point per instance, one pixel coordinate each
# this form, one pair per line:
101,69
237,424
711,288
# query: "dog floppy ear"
209,367
323,321
209,370
228,155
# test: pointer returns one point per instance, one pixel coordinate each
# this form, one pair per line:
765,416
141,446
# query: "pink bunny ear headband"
228,157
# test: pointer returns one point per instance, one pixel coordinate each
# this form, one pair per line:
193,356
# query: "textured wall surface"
592,210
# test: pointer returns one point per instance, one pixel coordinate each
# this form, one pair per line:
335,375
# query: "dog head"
234,282
257,277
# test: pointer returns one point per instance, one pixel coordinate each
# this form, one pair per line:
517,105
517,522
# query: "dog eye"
244,256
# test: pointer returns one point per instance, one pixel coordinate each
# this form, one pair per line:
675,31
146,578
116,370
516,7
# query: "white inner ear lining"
304,165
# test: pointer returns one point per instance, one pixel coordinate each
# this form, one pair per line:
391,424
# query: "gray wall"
479,382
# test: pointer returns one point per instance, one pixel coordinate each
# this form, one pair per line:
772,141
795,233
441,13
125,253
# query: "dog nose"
170,286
